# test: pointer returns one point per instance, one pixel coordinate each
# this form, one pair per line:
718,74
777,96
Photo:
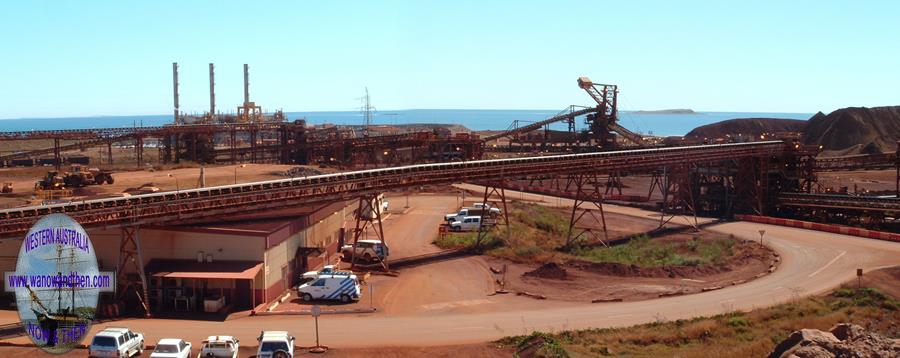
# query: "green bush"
738,321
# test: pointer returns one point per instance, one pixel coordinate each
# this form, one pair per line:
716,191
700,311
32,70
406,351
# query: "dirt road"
436,312
813,262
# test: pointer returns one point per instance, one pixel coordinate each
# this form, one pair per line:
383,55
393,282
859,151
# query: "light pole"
177,187
235,171
761,233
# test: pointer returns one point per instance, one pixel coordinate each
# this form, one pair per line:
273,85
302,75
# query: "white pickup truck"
468,223
275,344
220,347
464,212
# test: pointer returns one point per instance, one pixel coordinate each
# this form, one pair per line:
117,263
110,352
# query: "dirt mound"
855,130
549,270
296,172
843,340
746,126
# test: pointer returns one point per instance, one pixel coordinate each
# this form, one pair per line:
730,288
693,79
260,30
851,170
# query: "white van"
330,287
116,342
468,223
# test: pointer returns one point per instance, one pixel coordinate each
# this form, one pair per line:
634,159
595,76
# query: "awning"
236,270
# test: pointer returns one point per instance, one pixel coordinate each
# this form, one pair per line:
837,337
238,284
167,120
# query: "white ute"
220,347
464,212
468,223
116,342
172,348
330,287
275,344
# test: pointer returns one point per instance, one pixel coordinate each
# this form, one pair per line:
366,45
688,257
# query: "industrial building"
226,266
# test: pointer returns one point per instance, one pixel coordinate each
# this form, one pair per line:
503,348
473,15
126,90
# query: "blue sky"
77,58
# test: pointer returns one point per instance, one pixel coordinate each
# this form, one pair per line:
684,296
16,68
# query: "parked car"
275,344
326,270
116,342
172,348
330,287
367,250
482,206
220,347
368,210
464,212
468,223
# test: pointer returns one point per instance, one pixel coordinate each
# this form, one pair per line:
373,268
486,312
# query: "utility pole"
367,112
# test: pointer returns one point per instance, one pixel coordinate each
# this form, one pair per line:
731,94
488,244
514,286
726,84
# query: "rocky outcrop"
746,127
855,130
843,340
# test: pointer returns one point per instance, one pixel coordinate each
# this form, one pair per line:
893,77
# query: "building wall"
277,250
281,265
172,244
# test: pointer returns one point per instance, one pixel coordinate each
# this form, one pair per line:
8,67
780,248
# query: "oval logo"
57,283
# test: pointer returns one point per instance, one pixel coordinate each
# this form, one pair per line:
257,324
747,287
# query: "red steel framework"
197,204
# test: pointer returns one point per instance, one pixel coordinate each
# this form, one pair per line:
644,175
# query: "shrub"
738,321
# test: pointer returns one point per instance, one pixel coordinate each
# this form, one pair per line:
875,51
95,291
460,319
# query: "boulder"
842,340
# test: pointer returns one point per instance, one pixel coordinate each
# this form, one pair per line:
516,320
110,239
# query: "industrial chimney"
246,84
175,85
212,90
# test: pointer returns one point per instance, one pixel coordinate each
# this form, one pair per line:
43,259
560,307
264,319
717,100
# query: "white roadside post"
316,311
761,233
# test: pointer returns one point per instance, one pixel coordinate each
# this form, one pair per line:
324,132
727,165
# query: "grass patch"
646,252
751,334
537,233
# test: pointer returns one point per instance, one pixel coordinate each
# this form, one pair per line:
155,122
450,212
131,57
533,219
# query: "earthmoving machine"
52,181
51,187
80,176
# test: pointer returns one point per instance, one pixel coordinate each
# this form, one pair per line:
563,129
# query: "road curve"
812,263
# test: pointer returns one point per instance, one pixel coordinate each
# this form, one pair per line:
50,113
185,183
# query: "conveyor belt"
846,202
186,205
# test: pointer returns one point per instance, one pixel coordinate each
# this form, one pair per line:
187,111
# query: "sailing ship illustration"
68,319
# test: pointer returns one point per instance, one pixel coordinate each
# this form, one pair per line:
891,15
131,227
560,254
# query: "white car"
116,342
464,212
469,223
366,250
330,287
220,347
172,348
275,344
326,270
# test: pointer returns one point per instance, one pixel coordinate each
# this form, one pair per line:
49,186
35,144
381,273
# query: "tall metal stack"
175,89
212,90
246,84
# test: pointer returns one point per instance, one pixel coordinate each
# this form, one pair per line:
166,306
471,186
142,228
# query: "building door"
286,277
242,295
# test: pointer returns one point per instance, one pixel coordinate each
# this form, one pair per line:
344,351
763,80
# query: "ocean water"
476,119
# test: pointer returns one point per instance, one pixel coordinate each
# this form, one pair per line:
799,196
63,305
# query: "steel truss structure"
195,205
368,215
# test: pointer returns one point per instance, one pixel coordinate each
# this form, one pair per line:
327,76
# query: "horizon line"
413,109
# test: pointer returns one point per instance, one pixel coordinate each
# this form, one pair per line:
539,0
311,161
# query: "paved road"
812,263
